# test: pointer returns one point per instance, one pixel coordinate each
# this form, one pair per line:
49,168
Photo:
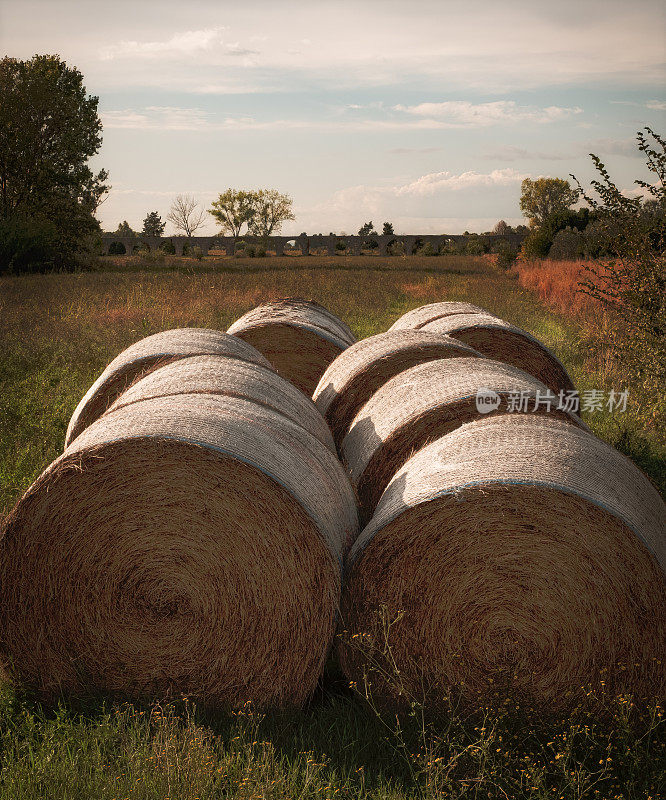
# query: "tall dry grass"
557,284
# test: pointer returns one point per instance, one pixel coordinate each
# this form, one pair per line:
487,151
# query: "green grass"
57,333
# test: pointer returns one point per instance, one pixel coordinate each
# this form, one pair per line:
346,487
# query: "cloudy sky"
427,113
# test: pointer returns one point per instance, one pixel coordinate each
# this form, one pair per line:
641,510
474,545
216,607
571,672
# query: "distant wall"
306,244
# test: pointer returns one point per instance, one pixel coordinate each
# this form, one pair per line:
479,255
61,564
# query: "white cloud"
445,181
653,105
437,202
516,46
179,44
236,49
462,113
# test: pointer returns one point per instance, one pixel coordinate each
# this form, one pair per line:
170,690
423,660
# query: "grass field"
57,332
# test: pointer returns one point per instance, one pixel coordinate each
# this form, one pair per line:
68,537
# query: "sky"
427,113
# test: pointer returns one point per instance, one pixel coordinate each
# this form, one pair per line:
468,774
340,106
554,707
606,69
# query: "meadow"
57,333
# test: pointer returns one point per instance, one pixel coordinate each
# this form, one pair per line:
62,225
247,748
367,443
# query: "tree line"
261,211
49,195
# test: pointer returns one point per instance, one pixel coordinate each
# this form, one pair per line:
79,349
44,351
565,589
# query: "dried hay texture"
421,404
418,317
528,558
190,545
496,338
145,355
363,368
300,338
233,378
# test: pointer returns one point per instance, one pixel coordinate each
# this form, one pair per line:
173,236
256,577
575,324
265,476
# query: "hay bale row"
498,339
418,317
423,403
145,355
188,541
231,377
299,338
362,369
517,554
490,336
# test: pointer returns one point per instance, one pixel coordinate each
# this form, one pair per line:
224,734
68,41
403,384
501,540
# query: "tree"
501,228
125,230
544,196
153,225
49,129
367,230
271,209
185,215
233,209
387,229
538,242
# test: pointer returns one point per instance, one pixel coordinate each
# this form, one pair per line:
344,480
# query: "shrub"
28,245
506,254
396,248
427,250
598,240
117,249
567,245
340,245
632,282
168,247
148,258
197,252
475,247
539,240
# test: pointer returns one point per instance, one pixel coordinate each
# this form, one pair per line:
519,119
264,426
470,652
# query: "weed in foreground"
603,747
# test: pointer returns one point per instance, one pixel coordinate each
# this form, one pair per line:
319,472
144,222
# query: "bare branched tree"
185,215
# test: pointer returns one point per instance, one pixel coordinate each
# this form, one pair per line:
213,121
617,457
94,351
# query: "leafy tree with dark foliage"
545,196
539,240
49,129
153,225
125,229
367,230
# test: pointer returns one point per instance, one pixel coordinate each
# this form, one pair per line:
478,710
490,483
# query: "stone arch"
116,248
394,246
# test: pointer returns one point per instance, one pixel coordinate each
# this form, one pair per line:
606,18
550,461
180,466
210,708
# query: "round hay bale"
145,355
298,337
233,378
423,403
496,338
183,545
359,371
418,317
524,554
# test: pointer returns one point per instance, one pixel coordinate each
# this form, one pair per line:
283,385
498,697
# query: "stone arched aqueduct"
306,244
